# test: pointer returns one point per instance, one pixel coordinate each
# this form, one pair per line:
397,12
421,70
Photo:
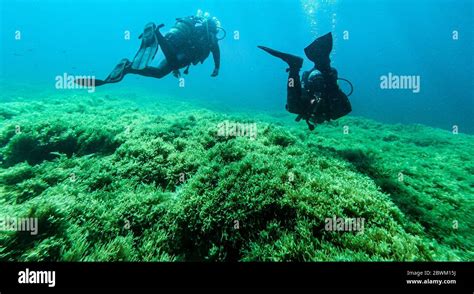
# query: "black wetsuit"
317,97
188,42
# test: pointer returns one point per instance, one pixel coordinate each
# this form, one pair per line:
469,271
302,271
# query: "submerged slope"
109,180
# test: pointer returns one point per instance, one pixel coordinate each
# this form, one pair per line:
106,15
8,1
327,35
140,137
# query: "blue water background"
401,37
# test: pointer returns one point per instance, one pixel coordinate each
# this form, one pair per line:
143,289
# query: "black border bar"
239,275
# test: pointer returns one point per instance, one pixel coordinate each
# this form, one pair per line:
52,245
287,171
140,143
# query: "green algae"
110,180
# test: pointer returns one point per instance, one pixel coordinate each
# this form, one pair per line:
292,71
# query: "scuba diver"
189,41
316,98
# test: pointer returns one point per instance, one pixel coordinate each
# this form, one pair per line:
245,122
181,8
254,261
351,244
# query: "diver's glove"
215,72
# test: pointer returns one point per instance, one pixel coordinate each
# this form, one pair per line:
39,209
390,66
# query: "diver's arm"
216,54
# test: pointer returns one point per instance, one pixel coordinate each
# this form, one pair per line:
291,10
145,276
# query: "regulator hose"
225,34
350,84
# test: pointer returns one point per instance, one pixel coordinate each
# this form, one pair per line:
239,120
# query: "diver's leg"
293,96
319,51
293,61
159,72
294,99
295,102
167,49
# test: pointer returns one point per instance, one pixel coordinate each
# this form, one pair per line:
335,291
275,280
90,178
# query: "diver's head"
316,81
211,26
212,23
332,72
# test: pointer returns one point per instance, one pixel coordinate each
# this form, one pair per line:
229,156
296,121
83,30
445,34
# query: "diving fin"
318,52
148,48
294,62
115,76
118,72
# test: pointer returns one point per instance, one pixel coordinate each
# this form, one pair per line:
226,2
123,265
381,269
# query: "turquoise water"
398,37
